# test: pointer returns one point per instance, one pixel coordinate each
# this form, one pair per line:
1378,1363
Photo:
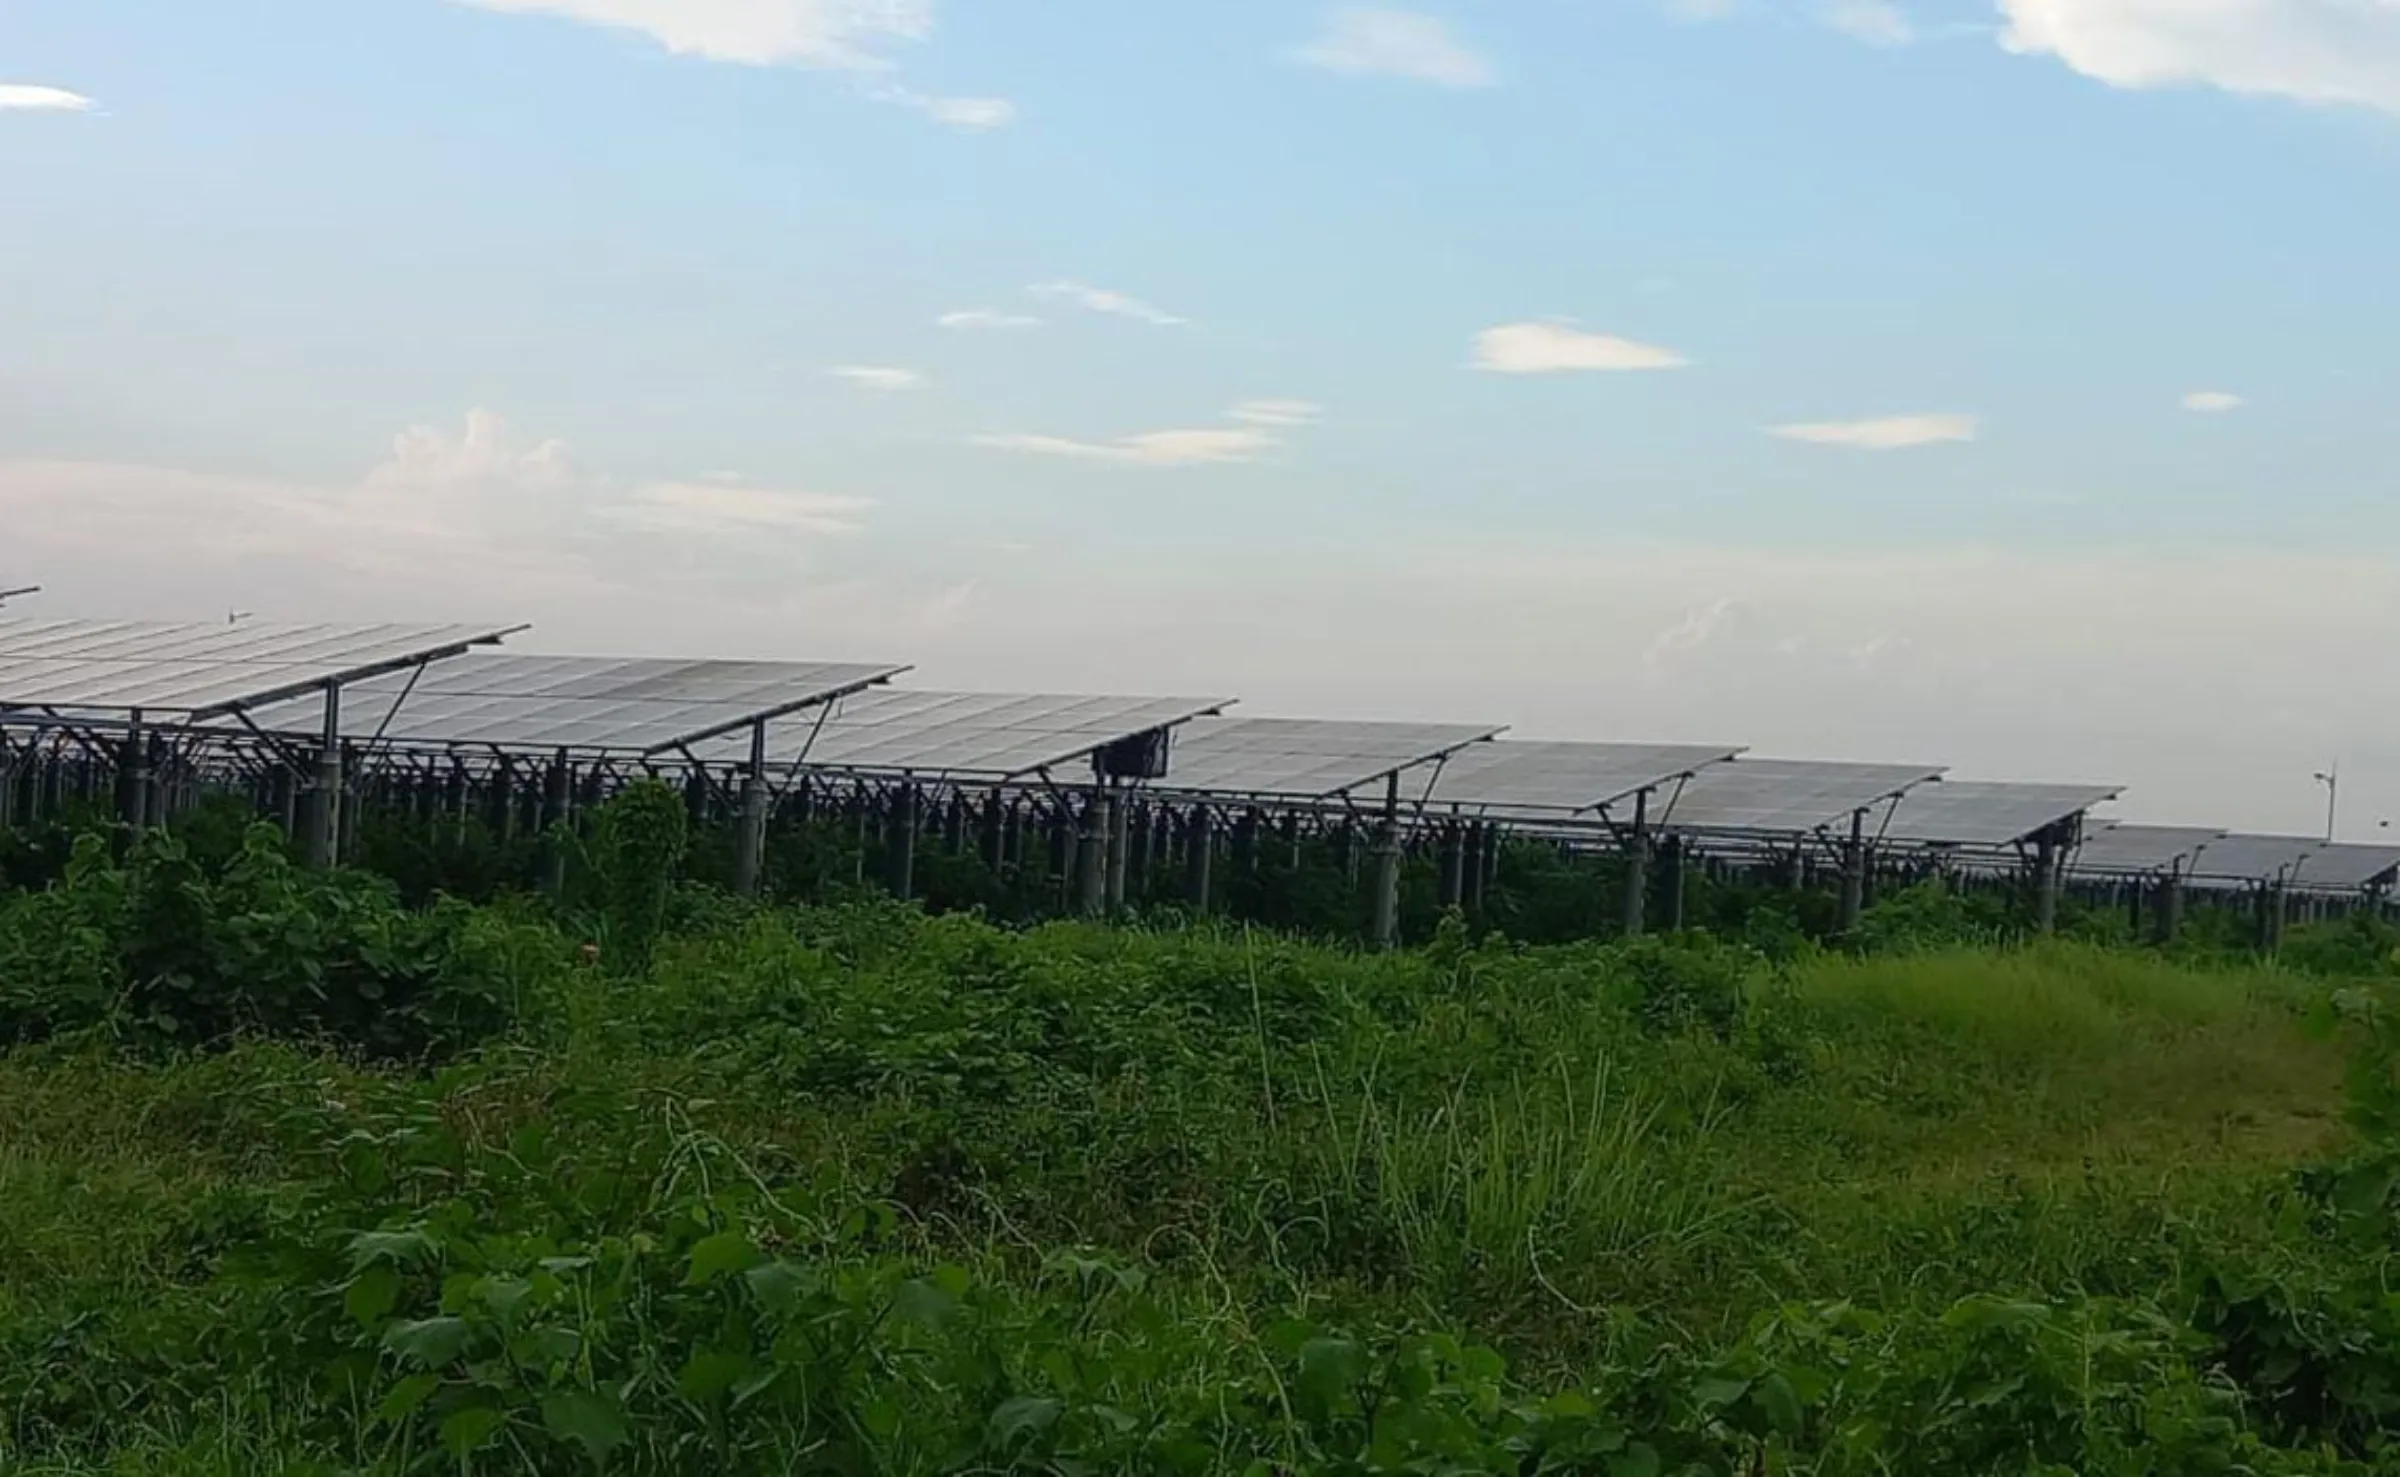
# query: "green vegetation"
296,1177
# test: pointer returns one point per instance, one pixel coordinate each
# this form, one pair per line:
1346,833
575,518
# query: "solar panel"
201,670
1305,759
640,705
1516,780
1785,797
1983,813
968,735
2346,867
2250,861
2138,851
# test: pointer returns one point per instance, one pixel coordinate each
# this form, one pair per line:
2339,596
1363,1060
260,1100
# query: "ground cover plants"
307,1174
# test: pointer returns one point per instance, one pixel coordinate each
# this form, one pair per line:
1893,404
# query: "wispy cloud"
975,114
1185,448
850,34
970,320
836,35
879,377
1882,433
1555,348
1277,412
22,97
1876,22
1395,43
2212,402
714,507
2322,51
1102,300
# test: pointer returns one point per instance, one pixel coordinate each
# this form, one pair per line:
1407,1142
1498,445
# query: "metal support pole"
1854,873
1199,843
1637,865
1475,863
325,809
750,855
1387,868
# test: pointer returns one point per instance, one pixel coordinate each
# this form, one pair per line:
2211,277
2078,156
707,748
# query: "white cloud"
1277,412
713,507
2212,401
878,377
19,97
1876,22
1189,448
1102,300
976,114
1882,433
1395,43
1552,348
814,33
2323,51
973,319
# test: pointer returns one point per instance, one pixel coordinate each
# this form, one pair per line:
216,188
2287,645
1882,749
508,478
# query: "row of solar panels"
424,688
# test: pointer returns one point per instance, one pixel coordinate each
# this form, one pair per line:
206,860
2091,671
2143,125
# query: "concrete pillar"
1199,831
1672,859
133,778
558,813
900,842
1118,815
1854,874
1387,885
2276,904
325,809
991,833
750,847
1091,856
1451,866
2046,879
1637,867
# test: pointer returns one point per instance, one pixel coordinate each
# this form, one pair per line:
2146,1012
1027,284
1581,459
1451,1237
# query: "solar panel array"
417,685
1307,759
2241,861
1785,797
1510,779
644,705
1984,813
2139,851
202,670
968,735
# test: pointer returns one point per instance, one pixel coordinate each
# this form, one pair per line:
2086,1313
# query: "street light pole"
2331,779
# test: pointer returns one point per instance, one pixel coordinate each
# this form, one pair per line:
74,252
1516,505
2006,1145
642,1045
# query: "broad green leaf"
1780,1404
591,1420
1637,1460
1331,1366
720,1255
406,1397
398,1248
1023,1418
431,1343
372,1294
921,1301
710,1373
779,1286
1715,1392
465,1432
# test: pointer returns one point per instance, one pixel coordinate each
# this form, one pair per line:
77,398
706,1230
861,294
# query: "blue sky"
1811,338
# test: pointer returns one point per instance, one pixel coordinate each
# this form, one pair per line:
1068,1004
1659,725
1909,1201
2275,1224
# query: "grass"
1145,1159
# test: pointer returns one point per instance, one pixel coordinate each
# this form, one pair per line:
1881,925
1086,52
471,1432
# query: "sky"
2010,385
